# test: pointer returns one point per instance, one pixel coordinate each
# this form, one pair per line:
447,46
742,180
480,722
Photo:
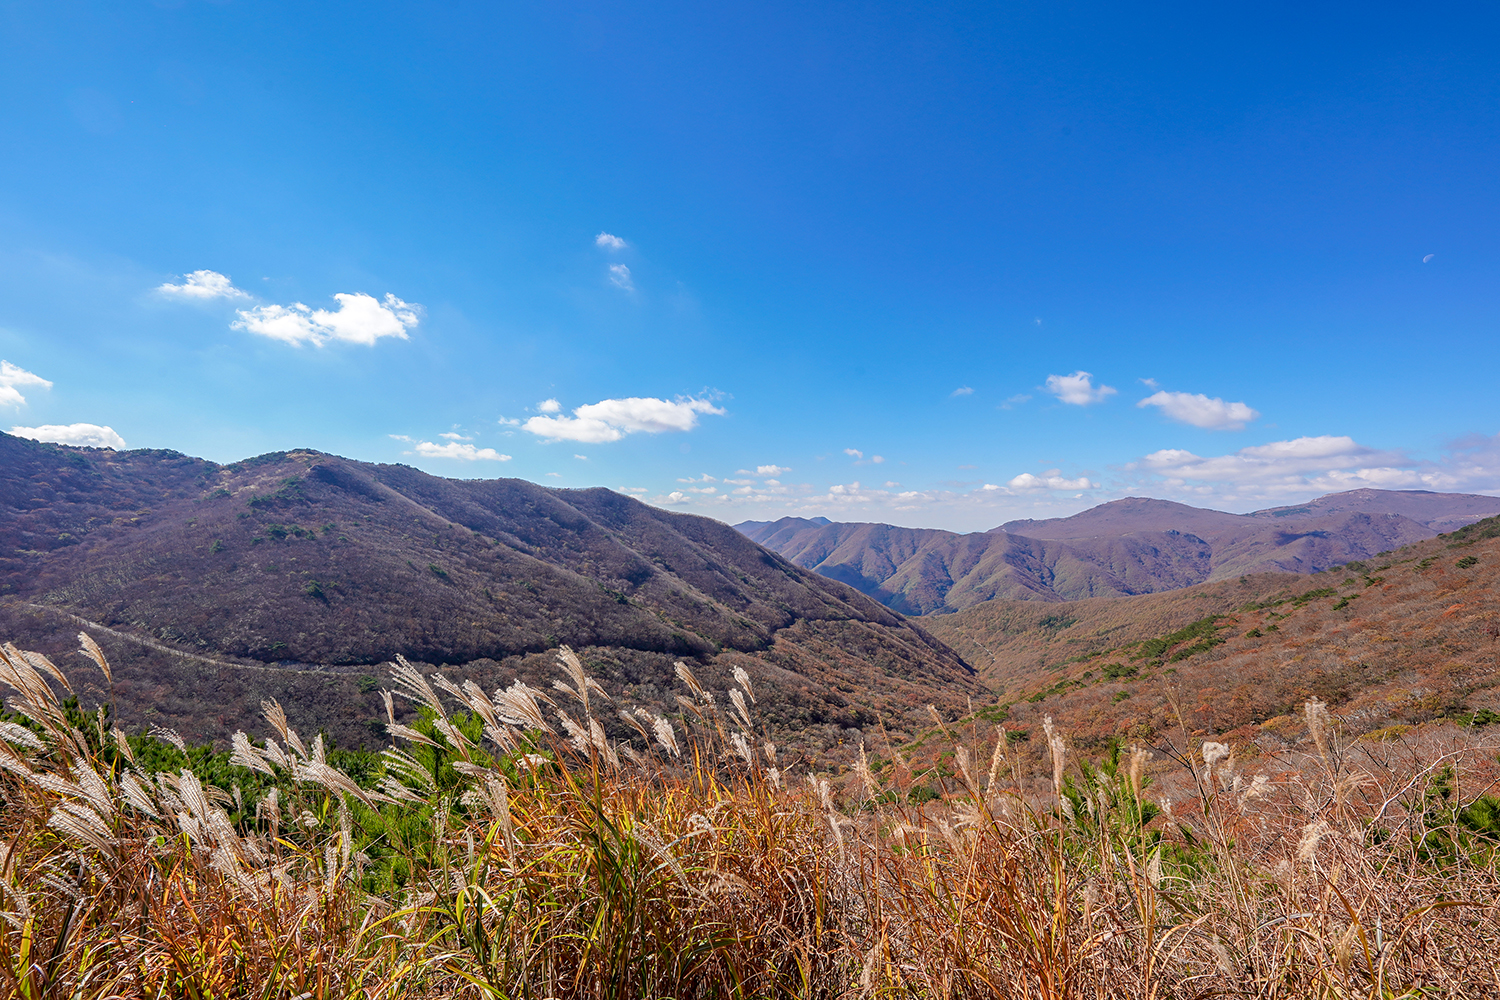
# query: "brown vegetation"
291,575
1410,637
492,858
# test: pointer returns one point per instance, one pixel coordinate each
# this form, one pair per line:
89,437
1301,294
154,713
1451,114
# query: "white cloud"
854,453
1078,389
79,435
12,376
890,484
581,458
1308,466
634,489
455,436
201,286
1201,411
1015,401
612,419
359,319
1050,480
609,242
877,459
619,276
771,470
1266,464
549,406
463,452
705,478
962,390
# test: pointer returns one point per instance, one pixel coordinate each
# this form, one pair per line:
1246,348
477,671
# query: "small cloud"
1051,480
12,376
619,276
399,437
1201,411
877,459
581,458
78,435
740,482
359,319
891,485
201,286
771,470
1015,401
634,489
1150,383
612,419
854,453
555,475
463,452
548,406
962,390
1078,389
609,241
455,436
991,486
705,478
508,422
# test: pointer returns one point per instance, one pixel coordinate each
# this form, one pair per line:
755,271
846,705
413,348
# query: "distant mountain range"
1125,547
293,575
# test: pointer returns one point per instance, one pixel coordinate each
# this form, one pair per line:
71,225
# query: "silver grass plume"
742,678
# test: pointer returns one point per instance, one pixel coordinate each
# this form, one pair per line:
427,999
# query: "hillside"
1408,638
1125,547
292,575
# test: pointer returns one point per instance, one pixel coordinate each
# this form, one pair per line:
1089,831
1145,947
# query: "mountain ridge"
1126,547
315,568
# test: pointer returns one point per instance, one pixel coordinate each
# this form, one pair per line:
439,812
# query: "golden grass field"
507,848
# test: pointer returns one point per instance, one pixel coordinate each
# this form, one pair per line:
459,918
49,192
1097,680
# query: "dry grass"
512,850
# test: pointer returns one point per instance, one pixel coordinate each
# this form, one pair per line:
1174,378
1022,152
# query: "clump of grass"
509,846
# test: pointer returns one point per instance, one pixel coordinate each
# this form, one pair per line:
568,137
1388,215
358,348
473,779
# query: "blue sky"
937,265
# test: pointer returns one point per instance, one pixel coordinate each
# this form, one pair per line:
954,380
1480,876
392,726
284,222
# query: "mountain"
294,574
1387,644
1125,547
1439,511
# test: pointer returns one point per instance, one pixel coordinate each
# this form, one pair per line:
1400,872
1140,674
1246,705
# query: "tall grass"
509,848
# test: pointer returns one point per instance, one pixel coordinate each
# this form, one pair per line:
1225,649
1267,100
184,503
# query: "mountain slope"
302,563
1125,547
1395,642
